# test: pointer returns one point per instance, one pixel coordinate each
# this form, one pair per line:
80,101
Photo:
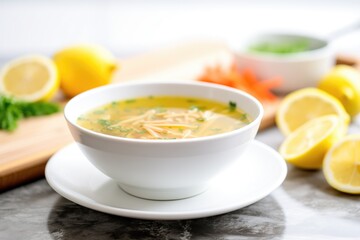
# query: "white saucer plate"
259,171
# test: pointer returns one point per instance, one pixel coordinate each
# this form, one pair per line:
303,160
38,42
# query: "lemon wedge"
343,82
305,104
30,78
307,145
83,67
341,165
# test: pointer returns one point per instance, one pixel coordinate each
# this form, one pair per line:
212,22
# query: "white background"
132,27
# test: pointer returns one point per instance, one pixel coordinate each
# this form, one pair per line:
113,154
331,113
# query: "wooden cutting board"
24,153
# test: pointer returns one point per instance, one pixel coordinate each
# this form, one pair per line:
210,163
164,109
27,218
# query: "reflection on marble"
35,211
313,209
263,219
24,211
311,189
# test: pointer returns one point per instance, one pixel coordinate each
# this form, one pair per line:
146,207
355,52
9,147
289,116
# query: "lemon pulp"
26,78
307,146
30,78
342,165
306,104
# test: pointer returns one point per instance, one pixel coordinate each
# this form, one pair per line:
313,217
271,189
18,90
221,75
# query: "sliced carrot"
249,76
244,79
272,82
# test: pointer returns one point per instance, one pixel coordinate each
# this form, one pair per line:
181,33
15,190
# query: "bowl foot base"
163,193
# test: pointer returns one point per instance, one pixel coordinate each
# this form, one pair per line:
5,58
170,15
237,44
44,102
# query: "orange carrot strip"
272,82
249,76
245,80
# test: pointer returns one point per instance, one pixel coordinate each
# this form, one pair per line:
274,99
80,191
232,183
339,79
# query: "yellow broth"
164,117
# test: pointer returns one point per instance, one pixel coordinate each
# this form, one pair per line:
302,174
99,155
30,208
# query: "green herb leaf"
37,108
232,106
244,118
104,122
12,111
130,101
281,47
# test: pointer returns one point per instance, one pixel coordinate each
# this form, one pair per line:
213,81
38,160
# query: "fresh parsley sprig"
12,111
232,106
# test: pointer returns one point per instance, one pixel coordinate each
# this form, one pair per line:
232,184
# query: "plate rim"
90,203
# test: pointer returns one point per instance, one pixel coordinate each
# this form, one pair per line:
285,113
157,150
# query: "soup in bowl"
163,140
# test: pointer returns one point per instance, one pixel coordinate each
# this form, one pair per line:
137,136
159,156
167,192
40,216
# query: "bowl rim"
307,55
220,136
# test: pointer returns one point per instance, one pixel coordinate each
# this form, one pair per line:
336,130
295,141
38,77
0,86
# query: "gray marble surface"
304,207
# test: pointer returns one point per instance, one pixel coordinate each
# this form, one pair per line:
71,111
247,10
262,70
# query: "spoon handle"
344,30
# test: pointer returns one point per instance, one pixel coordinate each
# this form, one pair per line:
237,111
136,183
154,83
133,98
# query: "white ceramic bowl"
162,169
298,70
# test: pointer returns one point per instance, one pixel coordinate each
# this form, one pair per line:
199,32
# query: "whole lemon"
343,82
83,67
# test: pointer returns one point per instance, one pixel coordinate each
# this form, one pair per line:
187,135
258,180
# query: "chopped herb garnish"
118,128
244,117
200,119
130,101
104,122
160,109
191,100
232,106
141,132
281,47
150,97
125,130
99,112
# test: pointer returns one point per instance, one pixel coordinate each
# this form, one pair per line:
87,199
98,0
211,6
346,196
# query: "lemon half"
307,145
306,104
341,165
30,78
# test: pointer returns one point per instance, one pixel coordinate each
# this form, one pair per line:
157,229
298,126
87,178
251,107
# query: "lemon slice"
342,165
307,145
303,105
30,78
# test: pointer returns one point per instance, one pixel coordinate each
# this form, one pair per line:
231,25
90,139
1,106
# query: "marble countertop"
303,207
